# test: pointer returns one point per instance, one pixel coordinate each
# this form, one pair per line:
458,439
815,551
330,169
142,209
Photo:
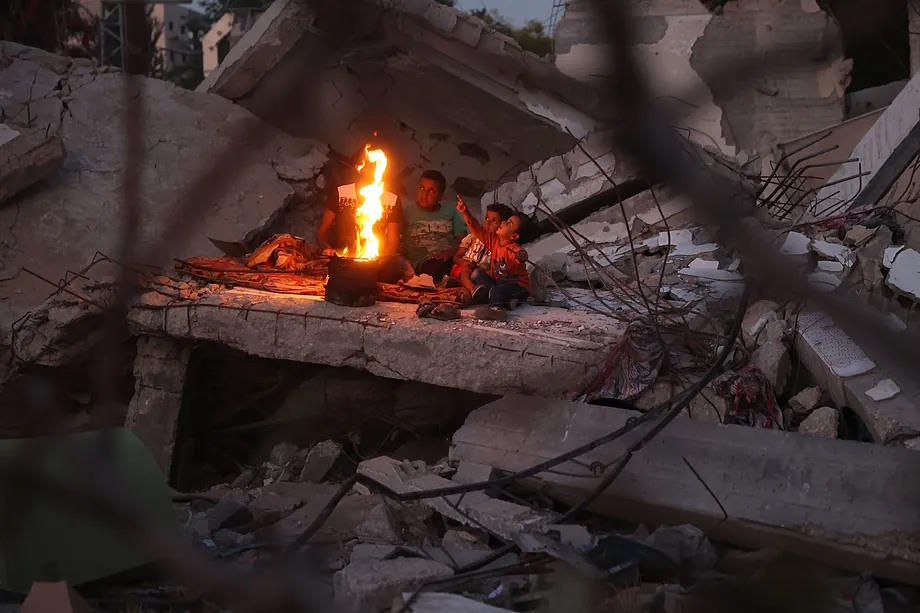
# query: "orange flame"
371,209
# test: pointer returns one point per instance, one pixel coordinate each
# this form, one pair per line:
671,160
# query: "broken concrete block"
228,513
883,390
279,499
773,331
904,276
796,244
772,359
757,316
474,509
553,168
282,453
377,527
686,545
830,266
471,472
369,585
834,251
805,401
462,539
829,354
708,406
823,281
821,422
320,460
27,155
859,235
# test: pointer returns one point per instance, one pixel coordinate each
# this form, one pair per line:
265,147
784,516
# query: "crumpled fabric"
751,399
633,364
283,252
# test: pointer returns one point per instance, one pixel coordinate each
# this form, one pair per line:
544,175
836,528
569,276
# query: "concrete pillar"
160,368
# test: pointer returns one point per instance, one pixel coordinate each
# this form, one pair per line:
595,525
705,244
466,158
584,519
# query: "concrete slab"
543,351
850,504
842,368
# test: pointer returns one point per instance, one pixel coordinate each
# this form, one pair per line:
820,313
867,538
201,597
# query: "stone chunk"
805,401
772,359
377,527
27,157
320,460
857,235
369,585
904,276
686,545
821,422
757,316
228,513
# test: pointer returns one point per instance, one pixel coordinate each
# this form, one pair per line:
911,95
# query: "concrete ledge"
540,351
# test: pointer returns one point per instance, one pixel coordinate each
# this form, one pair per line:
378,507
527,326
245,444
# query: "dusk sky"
518,12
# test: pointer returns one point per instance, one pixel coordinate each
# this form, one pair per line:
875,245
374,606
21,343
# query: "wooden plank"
853,505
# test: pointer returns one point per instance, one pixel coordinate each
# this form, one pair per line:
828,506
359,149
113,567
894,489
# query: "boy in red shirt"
507,280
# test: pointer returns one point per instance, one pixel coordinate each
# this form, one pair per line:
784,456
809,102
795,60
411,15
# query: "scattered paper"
904,276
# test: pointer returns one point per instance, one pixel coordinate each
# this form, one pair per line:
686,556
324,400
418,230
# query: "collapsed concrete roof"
60,224
441,86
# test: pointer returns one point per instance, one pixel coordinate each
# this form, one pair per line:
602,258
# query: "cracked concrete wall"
790,83
442,90
59,224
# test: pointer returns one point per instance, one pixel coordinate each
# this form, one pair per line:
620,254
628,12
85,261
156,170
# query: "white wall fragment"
833,251
796,244
904,276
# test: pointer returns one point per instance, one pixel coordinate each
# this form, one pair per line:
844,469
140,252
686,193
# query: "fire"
371,209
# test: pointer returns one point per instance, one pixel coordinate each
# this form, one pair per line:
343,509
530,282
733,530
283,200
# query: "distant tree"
532,36
447,2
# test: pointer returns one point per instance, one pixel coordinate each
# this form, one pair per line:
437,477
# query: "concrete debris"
796,244
370,585
904,276
686,545
821,422
883,390
228,513
883,153
891,253
474,509
828,266
834,251
832,522
823,281
773,360
757,316
69,217
440,602
858,235
470,472
27,156
805,401
377,527
320,460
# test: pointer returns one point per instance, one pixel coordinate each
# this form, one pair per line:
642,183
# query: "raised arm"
471,222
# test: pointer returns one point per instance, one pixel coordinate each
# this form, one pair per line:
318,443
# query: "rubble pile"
485,552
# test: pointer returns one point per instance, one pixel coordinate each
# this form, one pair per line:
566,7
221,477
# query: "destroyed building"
708,394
